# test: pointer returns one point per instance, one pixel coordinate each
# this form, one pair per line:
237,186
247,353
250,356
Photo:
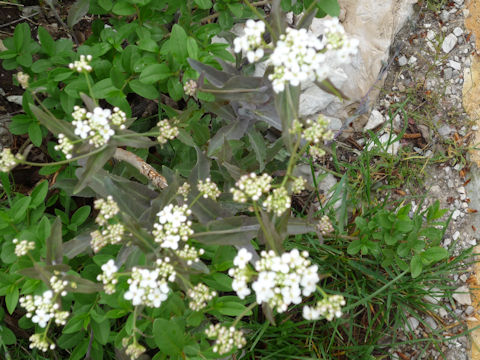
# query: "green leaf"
54,244
331,7
48,44
354,247
144,90
44,228
416,266
11,299
192,48
101,331
178,38
8,253
104,88
123,8
175,88
435,254
35,134
20,124
154,72
231,308
7,337
38,194
79,217
203,4
148,44
21,36
169,336
19,209
77,11
106,4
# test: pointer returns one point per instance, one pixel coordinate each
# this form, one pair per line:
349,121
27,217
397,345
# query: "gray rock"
447,73
458,31
455,65
444,16
456,354
469,310
327,183
435,295
462,295
402,61
445,130
449,43
17,99
431,324
376,118
412,324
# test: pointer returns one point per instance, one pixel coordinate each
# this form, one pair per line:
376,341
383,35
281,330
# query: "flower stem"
268,237
244,312
63,162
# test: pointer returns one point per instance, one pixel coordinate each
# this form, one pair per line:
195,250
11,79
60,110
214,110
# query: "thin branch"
18,20
145,169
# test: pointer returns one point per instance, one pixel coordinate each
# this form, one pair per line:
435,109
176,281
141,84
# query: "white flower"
251,41
167,131
108,276
172,226
149,287
242,258
226,338
278,202
208,188
8,161
82,64
329,307
65,145
252,187
200,295
23,247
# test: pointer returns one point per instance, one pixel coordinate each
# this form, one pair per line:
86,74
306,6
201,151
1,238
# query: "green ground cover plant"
174,235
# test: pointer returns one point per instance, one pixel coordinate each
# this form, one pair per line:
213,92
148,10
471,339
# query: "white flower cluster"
281,280
226,338
96,125
43,308
172,226
64,145
107,210
296,58
336,41
240,273
147,287
250,43
208,188
190,254
325,225
167,131
8,161
23,79
109,269
298,185
329,307
111,233
318,131
252,187
82,65
134,350
278,201
200,295
190,87
184,190
58,285
41,342
23,247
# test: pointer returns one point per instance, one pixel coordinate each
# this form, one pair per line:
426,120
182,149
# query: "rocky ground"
435,48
